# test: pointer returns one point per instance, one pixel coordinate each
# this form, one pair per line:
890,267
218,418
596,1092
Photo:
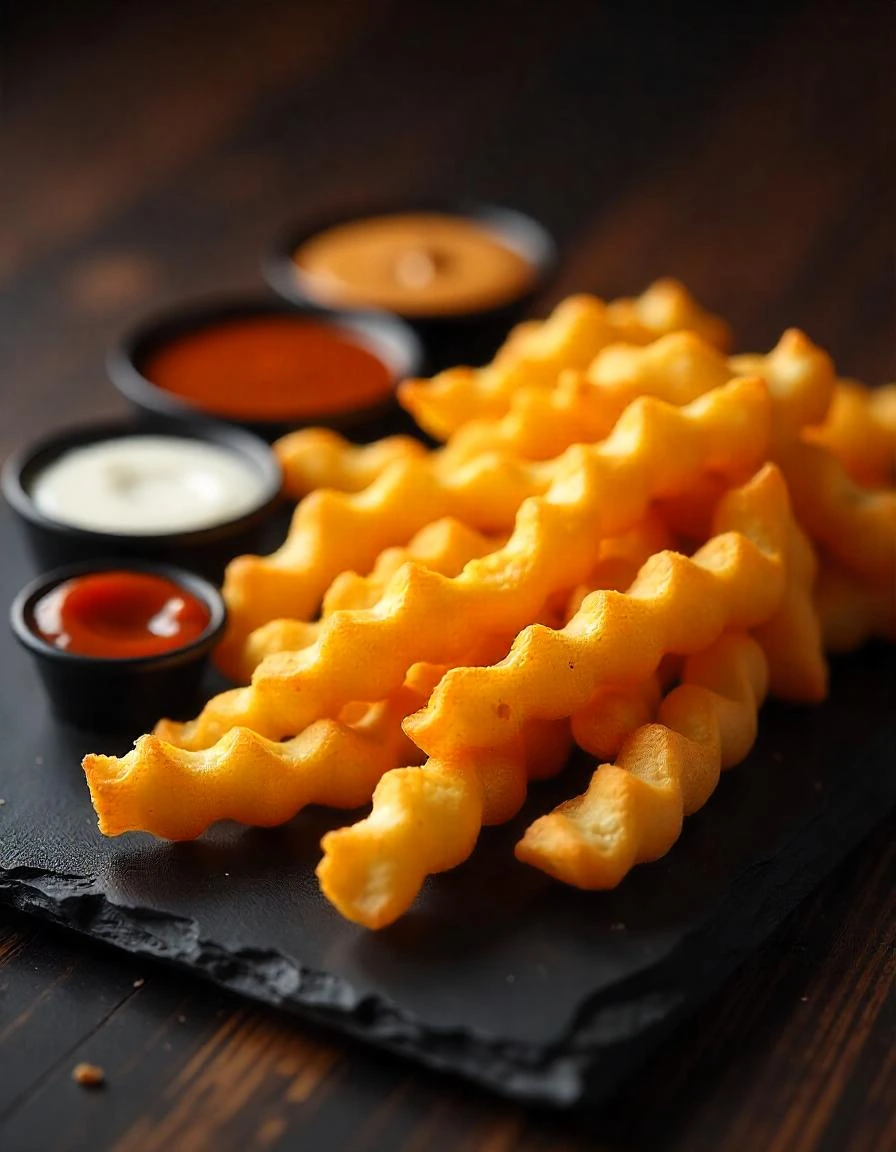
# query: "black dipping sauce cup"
203,550
121,695
386,337
464,337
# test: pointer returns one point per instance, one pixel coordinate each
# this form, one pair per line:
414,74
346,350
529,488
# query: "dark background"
149,151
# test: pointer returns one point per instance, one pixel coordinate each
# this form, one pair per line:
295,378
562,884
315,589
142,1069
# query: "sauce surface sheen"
119,615
147,485
416,264
270,368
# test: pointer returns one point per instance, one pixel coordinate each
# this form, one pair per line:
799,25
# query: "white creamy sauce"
147,485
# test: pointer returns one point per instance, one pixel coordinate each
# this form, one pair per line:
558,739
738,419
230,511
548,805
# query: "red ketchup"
119,615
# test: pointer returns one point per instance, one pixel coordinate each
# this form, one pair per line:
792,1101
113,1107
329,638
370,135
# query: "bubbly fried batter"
628,538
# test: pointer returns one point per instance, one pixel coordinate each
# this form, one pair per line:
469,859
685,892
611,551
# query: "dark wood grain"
149,152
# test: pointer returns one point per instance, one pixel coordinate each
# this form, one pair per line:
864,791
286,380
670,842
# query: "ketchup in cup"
119,615
117,647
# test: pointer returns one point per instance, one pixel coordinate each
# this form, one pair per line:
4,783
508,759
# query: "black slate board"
498,974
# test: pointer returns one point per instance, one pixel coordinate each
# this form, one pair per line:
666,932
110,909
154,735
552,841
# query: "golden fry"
666,306
427,820
632,811
860,431
855,526
603,725
800,378
445,546
791,639
177,794
320,458
424,820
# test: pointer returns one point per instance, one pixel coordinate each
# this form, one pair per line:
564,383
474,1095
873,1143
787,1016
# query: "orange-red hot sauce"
119,615
270,368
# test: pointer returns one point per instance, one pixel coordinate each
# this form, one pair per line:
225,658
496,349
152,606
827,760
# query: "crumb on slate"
139,982
88,1075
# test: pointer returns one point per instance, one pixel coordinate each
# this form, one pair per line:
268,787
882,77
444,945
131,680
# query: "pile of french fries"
626,541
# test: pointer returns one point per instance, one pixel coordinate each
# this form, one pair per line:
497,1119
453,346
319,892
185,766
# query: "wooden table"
148,153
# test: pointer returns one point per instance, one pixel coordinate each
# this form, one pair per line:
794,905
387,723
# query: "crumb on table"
88,1075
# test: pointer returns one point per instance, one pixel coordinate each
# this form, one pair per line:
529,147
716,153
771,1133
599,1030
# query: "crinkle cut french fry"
445,546
603,490
544,747
177,794
536,352
800,378
285,635
665,306
613,713
860,430
569,337
882,402
676,605
853,610
791,639
426,820
855,526
539,424
632,811
320,458
616,710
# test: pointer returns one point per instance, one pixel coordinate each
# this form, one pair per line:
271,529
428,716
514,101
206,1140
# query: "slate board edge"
567,1074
